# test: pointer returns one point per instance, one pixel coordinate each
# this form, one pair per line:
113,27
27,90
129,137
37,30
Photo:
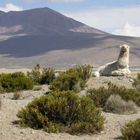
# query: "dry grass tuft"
117,105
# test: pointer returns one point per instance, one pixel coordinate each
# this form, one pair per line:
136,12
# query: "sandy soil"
4,70
11,131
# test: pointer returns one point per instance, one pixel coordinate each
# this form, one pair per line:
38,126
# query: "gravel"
12,131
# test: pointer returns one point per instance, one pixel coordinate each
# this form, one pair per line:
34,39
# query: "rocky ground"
9,130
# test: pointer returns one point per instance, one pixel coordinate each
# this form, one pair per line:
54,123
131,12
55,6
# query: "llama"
116,68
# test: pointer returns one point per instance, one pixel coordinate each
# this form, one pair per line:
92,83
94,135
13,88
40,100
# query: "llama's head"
124,48
123,59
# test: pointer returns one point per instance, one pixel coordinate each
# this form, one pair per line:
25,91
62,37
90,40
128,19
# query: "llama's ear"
126,46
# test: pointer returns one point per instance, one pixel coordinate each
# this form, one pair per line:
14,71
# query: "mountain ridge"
39,18
45,36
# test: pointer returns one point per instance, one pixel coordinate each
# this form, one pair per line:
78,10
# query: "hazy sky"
113,16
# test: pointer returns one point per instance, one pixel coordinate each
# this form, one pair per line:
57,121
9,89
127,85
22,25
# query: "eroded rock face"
120,67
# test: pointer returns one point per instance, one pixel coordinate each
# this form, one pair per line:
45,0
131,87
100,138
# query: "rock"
131,80
21,132
120,78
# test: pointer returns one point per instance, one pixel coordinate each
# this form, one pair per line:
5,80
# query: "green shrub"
73,79
62,112
48,76
136,82
41,76
16,95
37,88
100,96
84,72
15,82
116,104
131,130
1,89
35,74
67,81
18,74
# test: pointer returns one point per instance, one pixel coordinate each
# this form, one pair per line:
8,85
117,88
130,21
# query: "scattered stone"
120,78
131,80
21,132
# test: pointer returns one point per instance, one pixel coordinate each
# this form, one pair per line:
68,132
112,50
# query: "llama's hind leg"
117,73
121,72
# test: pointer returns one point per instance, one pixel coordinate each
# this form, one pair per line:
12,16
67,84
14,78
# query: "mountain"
51,39
41,21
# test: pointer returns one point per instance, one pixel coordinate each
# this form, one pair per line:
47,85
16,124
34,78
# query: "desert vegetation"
101,95
41,75
62,111
14,82
73,79
16,95
131,130
37,87
116,104
136,82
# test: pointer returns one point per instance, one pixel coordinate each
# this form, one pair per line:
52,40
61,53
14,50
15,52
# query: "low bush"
41,76
35,74
117,105
100,96
1,89
16,96
15,82
48,75
73,79
84,72
67,81
136,82
37,88
131,130
62,112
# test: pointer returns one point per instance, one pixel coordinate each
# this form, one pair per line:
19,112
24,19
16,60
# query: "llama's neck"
123,59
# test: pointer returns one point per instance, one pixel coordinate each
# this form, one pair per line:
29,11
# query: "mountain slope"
40,21
47,37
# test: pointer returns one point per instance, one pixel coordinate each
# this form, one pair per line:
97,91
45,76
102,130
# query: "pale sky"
119,17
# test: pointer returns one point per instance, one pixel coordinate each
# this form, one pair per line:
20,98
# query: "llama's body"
116,68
